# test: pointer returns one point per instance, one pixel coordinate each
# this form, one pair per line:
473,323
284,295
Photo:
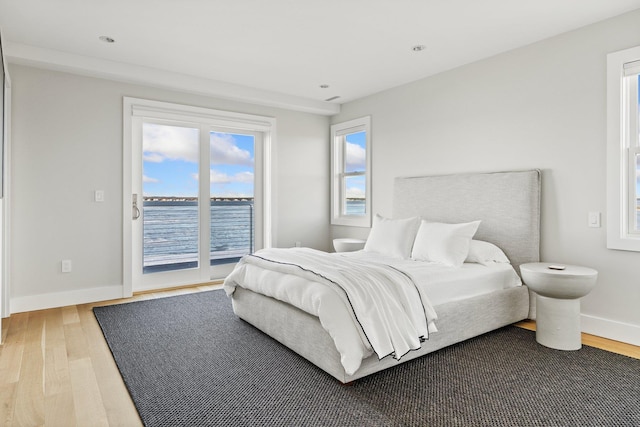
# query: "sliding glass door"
197,200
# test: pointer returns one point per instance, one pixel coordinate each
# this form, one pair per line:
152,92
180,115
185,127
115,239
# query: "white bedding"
443,284
437,283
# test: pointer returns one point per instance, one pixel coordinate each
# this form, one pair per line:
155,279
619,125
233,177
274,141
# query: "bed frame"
508,203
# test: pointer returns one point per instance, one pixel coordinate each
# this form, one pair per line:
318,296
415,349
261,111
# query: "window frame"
623,146
339,175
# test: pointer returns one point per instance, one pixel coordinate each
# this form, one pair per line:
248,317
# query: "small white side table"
348,244
558,294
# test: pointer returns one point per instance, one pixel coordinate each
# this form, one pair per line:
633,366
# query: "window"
351,173
623,150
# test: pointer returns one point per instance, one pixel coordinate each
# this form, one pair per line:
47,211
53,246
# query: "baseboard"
610,329
62,299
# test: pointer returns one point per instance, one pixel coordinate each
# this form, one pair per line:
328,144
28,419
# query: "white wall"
540,106
67,142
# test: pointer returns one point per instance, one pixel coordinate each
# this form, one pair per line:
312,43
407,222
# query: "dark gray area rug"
189,361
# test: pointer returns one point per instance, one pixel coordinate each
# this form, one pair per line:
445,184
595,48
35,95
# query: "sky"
170,162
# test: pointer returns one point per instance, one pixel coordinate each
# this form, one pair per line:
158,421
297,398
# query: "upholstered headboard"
508,203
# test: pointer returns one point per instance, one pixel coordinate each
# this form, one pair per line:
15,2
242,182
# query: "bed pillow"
446,244
392,237
482,252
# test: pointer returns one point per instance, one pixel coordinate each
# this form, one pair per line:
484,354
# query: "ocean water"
355,207
171,233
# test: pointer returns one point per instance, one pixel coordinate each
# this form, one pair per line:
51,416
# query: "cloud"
160,142
224,151
217,177
150,180
355,193
356,157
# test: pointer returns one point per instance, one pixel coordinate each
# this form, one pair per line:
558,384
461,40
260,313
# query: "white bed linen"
338,319
444,284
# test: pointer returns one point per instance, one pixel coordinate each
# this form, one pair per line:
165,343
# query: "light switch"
594,219
99,196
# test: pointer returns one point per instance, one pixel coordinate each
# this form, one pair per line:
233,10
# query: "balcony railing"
171,232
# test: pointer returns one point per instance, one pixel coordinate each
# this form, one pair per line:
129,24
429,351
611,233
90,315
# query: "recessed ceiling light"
106,39
418,48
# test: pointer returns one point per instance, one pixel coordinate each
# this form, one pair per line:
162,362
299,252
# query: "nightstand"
558,293
348,244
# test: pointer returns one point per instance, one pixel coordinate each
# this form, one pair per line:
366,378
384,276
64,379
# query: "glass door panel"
232,192
170,171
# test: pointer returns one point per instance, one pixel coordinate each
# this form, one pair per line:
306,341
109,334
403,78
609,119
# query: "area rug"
189,361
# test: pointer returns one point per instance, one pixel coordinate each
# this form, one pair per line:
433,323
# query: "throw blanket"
386,303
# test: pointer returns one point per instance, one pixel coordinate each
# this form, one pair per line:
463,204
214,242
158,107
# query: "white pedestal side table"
348,245
558,293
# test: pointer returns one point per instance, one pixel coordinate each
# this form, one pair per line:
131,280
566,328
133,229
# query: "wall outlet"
66,266
298,244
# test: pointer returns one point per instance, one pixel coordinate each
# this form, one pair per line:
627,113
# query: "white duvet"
342,290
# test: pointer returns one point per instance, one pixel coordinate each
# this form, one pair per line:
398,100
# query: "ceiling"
280,52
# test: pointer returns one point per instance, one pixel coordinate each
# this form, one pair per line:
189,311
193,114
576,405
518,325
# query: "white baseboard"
617,331
62,299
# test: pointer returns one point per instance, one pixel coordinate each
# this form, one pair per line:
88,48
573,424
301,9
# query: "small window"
623,150
351,173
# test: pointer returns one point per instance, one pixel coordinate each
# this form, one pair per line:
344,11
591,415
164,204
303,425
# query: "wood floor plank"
29,406
76,342
70,315
13,347
60,410
56,369
8,394
87,400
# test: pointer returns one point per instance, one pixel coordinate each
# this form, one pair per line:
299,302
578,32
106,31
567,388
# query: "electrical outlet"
298,244
66,266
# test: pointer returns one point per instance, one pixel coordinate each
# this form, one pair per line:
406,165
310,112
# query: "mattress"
444,284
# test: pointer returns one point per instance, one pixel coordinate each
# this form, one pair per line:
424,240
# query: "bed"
507,204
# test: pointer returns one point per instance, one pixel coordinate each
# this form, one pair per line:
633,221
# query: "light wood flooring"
57,370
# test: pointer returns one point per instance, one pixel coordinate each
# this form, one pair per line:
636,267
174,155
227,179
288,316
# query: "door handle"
135,211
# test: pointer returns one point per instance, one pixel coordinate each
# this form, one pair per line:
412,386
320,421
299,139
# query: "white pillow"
392,237
447,244
482,252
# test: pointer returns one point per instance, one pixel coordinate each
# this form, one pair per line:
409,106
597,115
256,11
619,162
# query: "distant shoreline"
195,199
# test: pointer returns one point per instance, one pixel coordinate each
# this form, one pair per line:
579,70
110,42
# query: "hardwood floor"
57,370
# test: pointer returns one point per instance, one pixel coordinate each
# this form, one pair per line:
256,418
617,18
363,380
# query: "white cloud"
217,177
160,142
356,156
355,193
149,179
225,152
